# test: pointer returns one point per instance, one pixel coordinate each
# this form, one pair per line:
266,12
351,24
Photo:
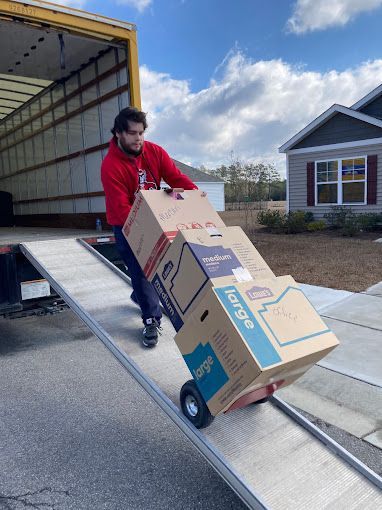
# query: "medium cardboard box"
198,259
157,216
250,335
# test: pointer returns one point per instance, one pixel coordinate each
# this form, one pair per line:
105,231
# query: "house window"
327,182
341,181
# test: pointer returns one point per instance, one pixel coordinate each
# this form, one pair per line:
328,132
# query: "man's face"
132,139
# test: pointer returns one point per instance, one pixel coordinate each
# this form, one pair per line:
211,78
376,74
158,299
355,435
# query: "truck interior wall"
51,148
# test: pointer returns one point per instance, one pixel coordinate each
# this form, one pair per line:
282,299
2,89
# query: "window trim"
339,182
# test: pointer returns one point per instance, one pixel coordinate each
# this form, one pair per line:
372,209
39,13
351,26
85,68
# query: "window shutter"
372,179
310,183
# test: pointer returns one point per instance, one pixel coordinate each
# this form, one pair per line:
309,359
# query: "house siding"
374,109
214,190
215,193
339,129
298,178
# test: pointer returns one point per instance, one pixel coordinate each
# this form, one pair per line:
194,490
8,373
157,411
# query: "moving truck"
64,75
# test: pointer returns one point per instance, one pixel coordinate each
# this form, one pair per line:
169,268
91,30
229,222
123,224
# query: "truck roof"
71,10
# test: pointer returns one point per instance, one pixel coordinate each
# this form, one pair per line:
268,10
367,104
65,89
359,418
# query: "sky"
223,80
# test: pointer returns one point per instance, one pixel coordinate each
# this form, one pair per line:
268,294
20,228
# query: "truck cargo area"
61,84
284,462
64,73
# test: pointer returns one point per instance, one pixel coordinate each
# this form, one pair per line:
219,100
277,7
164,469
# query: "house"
213,186
337,159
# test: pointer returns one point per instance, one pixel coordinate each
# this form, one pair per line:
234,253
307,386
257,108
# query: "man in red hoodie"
132,164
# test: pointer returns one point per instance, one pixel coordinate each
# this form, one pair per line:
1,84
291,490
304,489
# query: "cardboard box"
250,335
157,216
198,259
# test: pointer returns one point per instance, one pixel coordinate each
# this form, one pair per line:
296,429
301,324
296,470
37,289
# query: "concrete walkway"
345,389
357,321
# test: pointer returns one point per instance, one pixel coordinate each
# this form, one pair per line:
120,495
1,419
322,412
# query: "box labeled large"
251,335
157,216
198,259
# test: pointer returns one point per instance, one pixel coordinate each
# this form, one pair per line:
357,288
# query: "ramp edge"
234,480
328,441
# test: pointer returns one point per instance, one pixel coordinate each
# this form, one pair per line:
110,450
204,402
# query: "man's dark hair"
121,122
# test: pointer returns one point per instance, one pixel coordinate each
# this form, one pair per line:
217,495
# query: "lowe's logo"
259,293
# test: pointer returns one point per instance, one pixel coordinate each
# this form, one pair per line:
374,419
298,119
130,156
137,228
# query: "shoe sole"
149,344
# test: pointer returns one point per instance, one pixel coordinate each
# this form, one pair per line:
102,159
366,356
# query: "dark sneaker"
150,332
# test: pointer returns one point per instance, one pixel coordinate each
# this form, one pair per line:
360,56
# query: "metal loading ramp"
266,455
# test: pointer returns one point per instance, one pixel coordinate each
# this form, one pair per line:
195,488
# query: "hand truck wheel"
194,406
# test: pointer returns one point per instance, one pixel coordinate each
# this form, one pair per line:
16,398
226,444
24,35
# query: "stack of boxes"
242,331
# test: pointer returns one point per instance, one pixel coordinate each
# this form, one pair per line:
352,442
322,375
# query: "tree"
278,192
249,182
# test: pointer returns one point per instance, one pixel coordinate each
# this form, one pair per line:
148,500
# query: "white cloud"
140,5
251,110
310,15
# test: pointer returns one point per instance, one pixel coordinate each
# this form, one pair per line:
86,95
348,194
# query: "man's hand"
174,190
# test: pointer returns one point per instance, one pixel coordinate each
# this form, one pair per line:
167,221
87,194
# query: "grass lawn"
326,259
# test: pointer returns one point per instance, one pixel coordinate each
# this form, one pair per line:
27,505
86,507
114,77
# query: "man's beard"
128,151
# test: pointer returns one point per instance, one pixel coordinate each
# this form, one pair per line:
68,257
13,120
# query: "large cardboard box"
157,216
251,335
198,259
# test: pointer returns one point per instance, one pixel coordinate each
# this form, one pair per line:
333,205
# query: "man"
130,165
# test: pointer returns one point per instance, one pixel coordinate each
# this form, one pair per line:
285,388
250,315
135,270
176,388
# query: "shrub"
271,218
292,223
351,225
295,222
316,226
369,221
338,216
309,217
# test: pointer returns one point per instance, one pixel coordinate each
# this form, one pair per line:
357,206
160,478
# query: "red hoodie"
122,176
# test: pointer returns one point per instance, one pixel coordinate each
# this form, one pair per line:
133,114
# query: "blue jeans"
144,292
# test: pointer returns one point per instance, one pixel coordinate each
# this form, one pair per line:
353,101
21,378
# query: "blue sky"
221,77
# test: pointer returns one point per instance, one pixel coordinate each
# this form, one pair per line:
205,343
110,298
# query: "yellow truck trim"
81,22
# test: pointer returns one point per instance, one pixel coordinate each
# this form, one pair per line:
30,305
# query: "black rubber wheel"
194,406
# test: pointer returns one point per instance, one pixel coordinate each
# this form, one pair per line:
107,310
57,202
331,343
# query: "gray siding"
297,178
214,190
339,129
215,193
374,109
